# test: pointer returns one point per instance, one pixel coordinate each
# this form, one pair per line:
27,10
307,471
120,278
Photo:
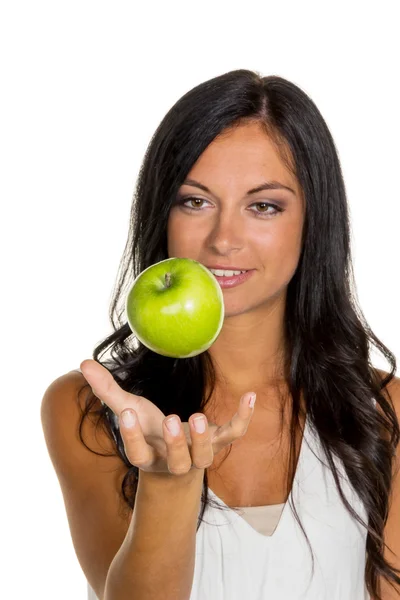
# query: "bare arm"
150,552
158,552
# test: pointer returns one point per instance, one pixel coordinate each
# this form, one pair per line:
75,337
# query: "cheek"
275,240
181,238
171,235
280,249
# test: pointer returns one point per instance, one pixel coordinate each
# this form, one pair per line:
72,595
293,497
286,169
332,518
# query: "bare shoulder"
392,388
391,391
63,426
90,479
395,381
392,524
61,412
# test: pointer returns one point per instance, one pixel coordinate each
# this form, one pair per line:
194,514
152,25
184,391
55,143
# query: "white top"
262,554
234,561
263,519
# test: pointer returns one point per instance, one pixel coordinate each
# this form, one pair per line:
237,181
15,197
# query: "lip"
230,282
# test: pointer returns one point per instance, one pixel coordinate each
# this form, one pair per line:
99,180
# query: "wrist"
165,479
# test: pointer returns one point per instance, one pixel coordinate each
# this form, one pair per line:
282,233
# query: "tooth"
224,273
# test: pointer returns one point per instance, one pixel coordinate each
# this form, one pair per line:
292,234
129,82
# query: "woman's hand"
154,442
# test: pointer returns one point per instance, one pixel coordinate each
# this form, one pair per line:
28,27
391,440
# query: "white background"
84,86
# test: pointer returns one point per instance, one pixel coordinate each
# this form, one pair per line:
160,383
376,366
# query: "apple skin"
180,320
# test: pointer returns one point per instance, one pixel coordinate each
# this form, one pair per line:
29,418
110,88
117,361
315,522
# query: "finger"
237,426
201,450
137,450
178,455
106,388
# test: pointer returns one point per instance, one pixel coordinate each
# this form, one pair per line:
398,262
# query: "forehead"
243,157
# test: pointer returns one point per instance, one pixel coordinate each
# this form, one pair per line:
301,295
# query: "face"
227,225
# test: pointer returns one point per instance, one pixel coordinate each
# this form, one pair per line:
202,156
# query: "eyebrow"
267,185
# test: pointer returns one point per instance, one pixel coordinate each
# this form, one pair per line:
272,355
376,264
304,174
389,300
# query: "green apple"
176,307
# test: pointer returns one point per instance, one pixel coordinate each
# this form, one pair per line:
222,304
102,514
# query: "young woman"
241,174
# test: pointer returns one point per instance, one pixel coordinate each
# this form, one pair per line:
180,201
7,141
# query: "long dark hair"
328,338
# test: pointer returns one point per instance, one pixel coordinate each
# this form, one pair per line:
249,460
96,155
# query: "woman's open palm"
149,444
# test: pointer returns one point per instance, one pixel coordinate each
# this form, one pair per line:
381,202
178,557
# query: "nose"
226,233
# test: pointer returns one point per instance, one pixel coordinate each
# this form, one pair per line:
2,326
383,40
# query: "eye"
191,199
275,211
266,205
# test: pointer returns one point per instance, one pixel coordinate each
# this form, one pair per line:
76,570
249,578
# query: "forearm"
157,556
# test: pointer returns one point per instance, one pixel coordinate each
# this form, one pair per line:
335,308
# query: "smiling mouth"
230,281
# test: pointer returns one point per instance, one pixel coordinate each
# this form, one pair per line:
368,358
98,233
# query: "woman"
242,174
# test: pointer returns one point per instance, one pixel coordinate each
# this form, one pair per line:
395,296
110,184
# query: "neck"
250,349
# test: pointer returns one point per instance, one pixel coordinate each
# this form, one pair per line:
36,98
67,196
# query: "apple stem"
167,280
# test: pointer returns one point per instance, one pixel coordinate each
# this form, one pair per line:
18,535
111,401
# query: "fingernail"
173,426
252,399
199,423
128,418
